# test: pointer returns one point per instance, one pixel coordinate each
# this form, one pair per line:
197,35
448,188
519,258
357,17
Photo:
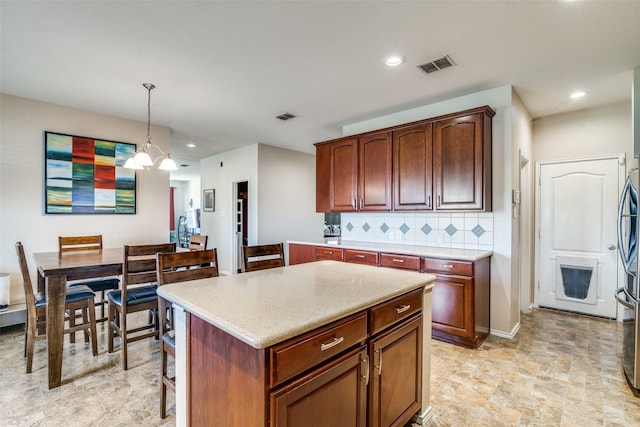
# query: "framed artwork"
209,200
87,176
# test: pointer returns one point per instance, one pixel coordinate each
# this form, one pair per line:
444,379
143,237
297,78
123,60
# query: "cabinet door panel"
453,305
344,175
412,168
299,254
462,162
374,185
334,395
323,178
396,375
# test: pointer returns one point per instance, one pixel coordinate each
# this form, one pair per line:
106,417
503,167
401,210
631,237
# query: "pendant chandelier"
142,158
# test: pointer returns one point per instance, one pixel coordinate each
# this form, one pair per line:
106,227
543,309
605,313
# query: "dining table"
55,269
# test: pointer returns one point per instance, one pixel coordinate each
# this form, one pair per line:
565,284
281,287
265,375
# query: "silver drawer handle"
397,260
328,252
446,265
333,343
360,256
403,308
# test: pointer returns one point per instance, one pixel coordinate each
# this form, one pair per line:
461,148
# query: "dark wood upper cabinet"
344,175
412,168
374,183
462,162
441,163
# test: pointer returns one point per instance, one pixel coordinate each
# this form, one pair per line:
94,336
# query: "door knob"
611,247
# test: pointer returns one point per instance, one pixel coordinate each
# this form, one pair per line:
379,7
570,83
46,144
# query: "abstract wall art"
86,176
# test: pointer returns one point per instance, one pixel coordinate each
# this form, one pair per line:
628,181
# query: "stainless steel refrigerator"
628,296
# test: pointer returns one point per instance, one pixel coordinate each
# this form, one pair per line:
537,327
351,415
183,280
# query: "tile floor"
560,370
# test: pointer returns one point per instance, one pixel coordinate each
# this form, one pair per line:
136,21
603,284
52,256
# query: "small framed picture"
209,200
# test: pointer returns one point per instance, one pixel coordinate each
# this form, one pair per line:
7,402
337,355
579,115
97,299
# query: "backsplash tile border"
460,230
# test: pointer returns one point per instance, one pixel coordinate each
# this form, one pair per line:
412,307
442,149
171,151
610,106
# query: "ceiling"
224,70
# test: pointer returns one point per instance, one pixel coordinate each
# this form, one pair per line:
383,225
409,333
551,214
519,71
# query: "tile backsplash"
468,230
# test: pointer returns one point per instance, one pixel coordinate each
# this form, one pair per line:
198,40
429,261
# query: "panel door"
374,184
413,168
459,163
452,310
577,209
344,175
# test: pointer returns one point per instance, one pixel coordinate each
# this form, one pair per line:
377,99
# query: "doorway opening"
242,223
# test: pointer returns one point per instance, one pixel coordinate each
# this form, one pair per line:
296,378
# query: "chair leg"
102,303
163,386
91,308
123,339
111,319
30,344
85,319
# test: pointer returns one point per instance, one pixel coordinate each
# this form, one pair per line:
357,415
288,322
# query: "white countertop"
425,251
263,308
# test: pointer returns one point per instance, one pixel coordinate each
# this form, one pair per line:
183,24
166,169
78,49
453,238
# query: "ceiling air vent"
437,64
285,116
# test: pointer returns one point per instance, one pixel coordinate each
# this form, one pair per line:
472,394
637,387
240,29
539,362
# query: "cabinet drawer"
460,268
361,257
386,314
325,253
400,261
302,353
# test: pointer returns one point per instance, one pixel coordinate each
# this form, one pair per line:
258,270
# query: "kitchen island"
291,344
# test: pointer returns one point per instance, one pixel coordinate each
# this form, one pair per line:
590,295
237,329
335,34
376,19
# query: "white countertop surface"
425,251
263,308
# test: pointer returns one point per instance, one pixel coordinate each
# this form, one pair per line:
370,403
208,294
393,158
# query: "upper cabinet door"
323,178
412,168
374,185
462,162
344,175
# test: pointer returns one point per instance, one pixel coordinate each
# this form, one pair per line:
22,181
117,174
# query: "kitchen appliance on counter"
332,224
628,296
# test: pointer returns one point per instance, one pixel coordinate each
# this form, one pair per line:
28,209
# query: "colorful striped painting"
87,176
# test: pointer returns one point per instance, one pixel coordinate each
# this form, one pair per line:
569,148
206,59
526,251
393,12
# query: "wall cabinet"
462,162
441,163
413,168
354,174
461,300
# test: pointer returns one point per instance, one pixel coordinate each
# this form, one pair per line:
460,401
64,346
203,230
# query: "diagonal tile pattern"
560,370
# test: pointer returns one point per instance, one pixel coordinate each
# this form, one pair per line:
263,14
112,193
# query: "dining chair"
138,293
197,242
78,297
263,256
172,268
83,243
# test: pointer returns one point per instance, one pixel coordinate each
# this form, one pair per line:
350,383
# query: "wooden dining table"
54,270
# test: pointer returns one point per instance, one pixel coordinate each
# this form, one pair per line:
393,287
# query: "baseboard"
508,335
424,418
14,315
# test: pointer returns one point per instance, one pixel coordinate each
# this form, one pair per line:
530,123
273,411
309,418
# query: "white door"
577,212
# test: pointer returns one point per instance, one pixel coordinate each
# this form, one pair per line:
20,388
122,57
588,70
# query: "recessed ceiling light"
191,145
393,61
577,94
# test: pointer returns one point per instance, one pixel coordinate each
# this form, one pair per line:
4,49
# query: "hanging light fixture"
142,157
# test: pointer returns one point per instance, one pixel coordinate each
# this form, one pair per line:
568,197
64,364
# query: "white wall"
584,133
281,198
503,320
22,124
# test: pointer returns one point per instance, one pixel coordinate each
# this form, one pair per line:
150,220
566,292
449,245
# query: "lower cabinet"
461,295
396,374
334,395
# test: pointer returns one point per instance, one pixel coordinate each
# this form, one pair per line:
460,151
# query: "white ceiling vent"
285,116
437,64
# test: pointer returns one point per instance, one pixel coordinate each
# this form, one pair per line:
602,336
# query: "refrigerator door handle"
622,300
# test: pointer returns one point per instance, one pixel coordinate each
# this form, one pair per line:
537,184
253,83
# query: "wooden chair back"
26,283
139,263
263,256
198,243
79,243
183,266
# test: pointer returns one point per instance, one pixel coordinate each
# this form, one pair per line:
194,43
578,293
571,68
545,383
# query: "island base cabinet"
334,395
395,393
